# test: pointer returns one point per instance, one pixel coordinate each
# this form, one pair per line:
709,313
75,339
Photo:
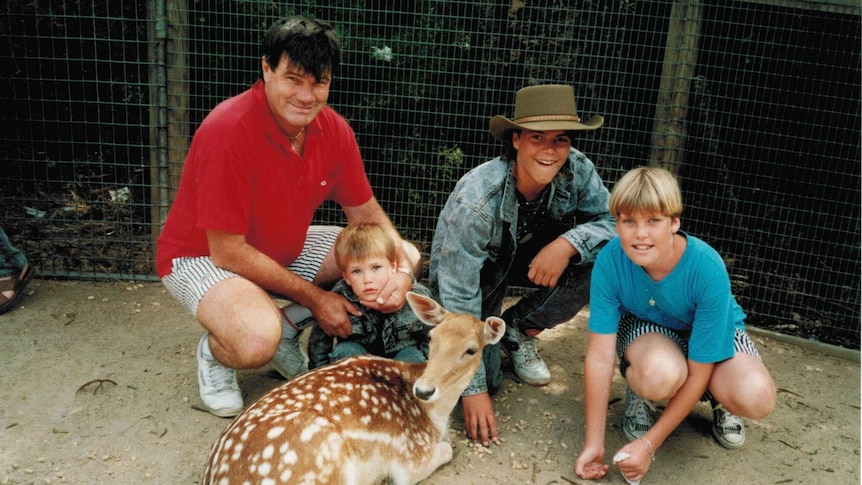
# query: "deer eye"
471,351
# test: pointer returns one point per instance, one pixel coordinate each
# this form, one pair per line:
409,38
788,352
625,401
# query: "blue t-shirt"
694,299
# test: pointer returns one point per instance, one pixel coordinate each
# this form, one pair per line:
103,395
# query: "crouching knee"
246,352
764,401
759,399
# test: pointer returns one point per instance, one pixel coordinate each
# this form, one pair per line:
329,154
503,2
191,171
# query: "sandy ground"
98,386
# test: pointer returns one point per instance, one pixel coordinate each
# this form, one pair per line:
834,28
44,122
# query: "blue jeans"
541,309
348,349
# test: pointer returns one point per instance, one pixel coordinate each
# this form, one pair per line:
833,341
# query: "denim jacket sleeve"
479,383
465,228
468,226
594,226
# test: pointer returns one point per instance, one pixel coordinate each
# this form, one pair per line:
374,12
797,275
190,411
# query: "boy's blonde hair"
649,190
363,240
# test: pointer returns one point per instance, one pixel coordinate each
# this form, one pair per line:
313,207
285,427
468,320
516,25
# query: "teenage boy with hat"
536,216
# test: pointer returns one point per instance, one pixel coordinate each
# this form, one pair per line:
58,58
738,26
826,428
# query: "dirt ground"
98,386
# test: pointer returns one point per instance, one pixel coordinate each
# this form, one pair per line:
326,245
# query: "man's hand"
331,311
549,264
393,296
479,418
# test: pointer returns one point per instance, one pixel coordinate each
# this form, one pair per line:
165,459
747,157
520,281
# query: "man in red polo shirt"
240,228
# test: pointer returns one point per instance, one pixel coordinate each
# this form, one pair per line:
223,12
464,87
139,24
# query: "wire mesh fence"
74,186
754,104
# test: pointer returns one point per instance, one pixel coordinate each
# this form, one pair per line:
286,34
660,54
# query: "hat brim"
500,125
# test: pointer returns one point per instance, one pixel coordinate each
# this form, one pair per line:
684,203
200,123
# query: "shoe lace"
640,413
530,350
727,422
220,377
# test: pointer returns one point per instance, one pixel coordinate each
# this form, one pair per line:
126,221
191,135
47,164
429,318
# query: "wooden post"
156,35
680,59
169,99
178,95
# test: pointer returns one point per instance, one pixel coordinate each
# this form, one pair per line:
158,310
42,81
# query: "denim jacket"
475,239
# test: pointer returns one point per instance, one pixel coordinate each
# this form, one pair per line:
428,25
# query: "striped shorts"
192,277
632,327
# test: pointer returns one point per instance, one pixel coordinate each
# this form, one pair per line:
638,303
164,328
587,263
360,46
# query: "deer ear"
429,311
495,327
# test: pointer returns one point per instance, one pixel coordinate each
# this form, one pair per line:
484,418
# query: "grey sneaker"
727,428
639,416
217,384
529,367
289,360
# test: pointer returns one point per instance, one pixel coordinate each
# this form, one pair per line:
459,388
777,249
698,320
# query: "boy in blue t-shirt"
661,303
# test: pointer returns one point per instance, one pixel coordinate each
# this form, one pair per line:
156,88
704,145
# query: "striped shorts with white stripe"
632,327
192,277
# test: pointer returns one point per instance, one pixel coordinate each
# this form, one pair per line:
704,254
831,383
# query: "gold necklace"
295,140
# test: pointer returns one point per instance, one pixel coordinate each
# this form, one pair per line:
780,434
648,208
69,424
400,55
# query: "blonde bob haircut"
646,190
363,240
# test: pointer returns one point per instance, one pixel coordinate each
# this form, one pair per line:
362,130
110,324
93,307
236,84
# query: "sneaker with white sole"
290,360
529,367
217,384
639,416
727,428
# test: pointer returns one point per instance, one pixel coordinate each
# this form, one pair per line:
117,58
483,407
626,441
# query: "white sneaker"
290,360
529,367
727,428
218,387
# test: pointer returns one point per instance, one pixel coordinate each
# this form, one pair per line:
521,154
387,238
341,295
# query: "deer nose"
423,394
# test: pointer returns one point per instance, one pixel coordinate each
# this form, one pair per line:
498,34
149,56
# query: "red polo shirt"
242,176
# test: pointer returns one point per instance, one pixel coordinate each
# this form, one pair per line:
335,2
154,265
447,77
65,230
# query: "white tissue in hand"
620,457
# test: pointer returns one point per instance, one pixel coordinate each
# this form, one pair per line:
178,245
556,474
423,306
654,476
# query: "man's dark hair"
311,45
509,152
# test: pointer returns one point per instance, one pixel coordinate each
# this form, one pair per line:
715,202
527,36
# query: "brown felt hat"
544,108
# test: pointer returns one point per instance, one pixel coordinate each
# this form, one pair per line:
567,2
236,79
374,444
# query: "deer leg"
442,455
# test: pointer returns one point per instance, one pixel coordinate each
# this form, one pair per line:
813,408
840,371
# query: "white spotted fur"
360,420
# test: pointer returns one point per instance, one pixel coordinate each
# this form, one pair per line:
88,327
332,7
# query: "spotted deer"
360,420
